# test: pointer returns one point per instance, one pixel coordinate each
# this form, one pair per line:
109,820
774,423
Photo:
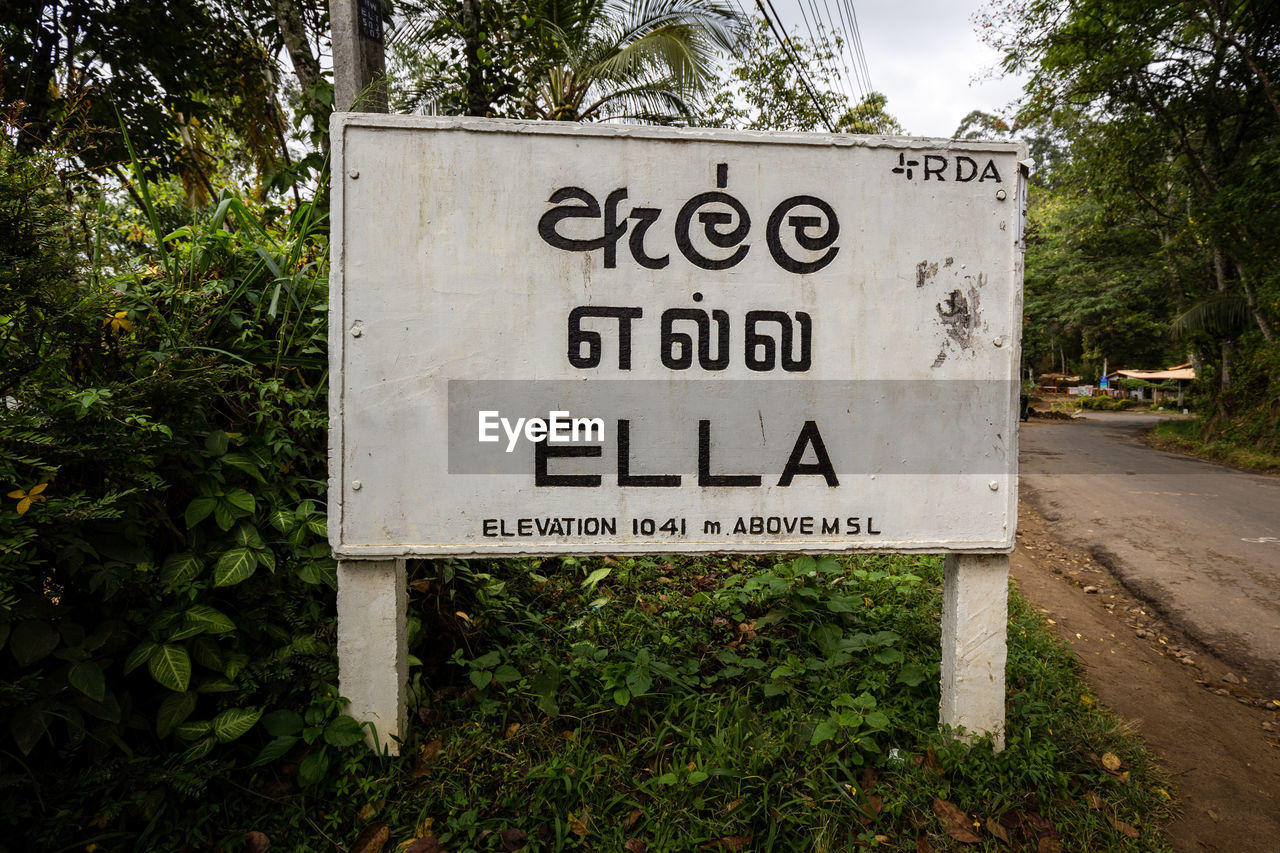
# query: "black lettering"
672,338
809,436
853,526
871,527
705,477
589,209
579,336
645,216
989,171
936,171
830,526
712,221
768,361
490,527
625,477
962,160
544,451
801,225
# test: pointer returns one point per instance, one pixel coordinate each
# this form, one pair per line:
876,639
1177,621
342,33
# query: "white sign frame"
996,341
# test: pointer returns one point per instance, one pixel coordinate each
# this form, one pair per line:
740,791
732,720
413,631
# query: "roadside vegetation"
1189,436
168,634
1153,221
167,669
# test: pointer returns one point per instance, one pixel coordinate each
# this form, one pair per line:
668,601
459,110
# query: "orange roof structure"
1180,371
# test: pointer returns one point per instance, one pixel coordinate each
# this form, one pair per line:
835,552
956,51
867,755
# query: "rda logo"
559,428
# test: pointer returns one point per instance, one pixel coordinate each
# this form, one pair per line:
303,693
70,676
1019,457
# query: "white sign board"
764,342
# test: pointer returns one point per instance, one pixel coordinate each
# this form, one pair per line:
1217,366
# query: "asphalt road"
1197,540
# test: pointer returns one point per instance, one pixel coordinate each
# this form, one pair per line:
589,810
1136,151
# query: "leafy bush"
1107,404
165,578
755,703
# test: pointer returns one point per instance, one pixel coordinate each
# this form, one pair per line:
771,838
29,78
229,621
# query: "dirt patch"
1050,415
1217,737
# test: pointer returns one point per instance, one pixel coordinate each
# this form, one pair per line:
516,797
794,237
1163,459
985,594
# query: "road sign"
737,341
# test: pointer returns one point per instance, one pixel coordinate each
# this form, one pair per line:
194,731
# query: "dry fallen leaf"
511,731
1094,801
430,750
578,826
731,842
369,810
632,818
923,845
1125,828
512,839
371,839
955,821
256,842
996,829
429,844
1111,761
635,845
1049,844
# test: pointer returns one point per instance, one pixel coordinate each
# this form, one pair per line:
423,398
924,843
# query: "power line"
795,61
837,59
824,51
857,42
844,28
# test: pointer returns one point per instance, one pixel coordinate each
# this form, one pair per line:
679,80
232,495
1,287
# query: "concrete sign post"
564,339
373,651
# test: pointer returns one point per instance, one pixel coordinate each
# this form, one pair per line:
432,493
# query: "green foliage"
563,60
1197,437
1175,129
1096,284
764,90
165,577
792,702
1107,404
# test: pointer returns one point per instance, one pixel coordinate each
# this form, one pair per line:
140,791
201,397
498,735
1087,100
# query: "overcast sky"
925,56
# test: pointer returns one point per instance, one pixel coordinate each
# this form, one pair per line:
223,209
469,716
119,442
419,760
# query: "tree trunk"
1252,299
1220,274
294,34
477,102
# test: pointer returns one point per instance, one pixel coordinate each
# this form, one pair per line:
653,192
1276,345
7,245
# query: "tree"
189,80
1174,122
563,60
1186,84
1045,146
765,90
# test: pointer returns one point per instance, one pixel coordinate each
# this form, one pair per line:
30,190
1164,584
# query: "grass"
765,705
1186,436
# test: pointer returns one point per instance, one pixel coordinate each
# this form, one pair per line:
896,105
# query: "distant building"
1182,374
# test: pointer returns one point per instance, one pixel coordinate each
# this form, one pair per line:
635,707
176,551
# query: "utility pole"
372,594
359,64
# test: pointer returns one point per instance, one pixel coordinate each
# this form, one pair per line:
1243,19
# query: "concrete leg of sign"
975,616
373,650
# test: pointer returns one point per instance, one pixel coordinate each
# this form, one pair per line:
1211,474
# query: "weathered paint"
373,650
975,593
450,264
